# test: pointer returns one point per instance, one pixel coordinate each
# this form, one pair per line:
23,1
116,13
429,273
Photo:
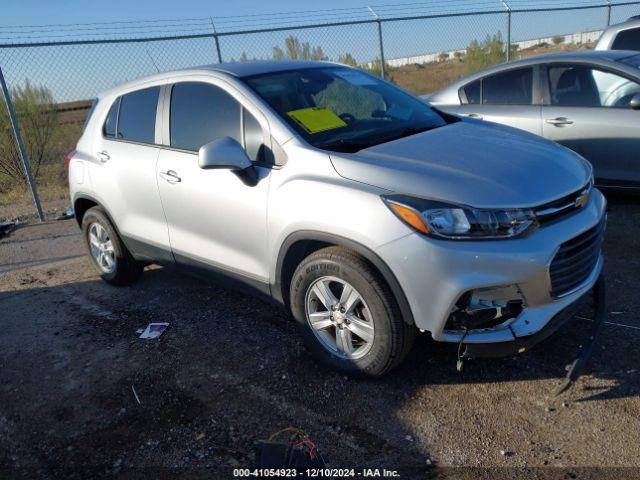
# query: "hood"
472,163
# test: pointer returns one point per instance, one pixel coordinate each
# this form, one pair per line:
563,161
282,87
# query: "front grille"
575,260
561,207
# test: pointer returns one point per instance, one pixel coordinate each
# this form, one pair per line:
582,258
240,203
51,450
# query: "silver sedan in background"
587,101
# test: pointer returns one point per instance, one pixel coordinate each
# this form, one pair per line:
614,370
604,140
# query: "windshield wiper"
407,132
349,145
345,145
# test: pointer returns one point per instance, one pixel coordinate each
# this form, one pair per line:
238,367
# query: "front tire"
348,316
108,254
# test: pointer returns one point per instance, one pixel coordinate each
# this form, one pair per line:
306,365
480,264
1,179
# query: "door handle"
559,122
477,116
170,176
103,156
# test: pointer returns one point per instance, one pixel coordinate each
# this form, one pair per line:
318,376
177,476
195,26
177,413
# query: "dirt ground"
230,370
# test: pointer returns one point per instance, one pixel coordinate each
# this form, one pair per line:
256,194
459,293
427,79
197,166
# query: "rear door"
510,97
124,174
588,111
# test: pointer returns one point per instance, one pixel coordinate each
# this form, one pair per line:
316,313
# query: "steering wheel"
348,118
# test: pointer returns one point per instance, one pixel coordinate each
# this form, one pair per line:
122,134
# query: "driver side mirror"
224,153
635,102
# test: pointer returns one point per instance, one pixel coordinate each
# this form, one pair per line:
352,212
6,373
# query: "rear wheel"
108,254
348,316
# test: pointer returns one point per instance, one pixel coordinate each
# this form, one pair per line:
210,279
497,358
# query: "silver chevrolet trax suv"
364,211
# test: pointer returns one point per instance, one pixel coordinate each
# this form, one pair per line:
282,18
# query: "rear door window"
627,40
514,87
137,118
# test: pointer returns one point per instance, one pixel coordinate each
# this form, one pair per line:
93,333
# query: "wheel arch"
299,245
83,202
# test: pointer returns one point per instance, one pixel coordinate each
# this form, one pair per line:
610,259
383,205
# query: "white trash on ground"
154,330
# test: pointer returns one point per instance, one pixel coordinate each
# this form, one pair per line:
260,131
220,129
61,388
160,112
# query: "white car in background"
622,36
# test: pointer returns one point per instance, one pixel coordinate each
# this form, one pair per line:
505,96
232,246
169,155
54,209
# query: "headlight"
442,220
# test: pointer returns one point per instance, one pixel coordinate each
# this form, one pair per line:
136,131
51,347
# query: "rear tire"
361,332
108,254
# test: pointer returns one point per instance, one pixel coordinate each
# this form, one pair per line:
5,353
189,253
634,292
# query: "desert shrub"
296,50
484,54
348,59
37,117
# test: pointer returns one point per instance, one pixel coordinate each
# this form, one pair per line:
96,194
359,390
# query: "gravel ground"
230,370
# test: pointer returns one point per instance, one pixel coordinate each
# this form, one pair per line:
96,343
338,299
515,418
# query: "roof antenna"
152,60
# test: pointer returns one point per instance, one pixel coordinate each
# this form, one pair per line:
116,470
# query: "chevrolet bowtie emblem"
582,200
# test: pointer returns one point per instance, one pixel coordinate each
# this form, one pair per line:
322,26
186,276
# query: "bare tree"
278,54
37,118
292,45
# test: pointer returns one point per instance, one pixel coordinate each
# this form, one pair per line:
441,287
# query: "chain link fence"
51,83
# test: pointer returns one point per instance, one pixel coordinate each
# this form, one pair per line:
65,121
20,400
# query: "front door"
589,112
217,221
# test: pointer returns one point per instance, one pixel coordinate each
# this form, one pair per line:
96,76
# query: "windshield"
343,109
634,61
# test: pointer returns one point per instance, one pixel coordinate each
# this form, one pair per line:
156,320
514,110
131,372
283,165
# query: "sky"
37,12
24,12
81,71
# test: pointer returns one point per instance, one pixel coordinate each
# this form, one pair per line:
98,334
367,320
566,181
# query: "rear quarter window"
627,40
109,127
472,93
92,108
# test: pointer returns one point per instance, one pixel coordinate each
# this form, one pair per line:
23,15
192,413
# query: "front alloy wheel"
348,317
339,317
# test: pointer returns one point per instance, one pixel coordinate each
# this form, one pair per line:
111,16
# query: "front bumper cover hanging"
520,345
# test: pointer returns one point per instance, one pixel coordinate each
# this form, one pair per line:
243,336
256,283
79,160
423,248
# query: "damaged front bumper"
521,344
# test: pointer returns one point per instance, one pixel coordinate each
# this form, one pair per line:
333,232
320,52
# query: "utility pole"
380,44
21,150
608,12
508,8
